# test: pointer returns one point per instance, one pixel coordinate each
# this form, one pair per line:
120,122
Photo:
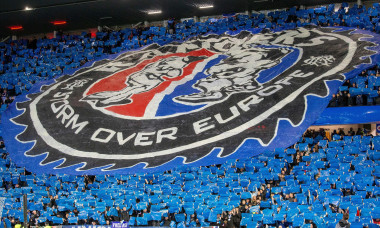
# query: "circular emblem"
203,101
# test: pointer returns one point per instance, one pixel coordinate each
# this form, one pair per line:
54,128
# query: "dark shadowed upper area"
81,14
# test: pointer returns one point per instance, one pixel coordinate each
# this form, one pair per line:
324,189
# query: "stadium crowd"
317,182
24,62
363,89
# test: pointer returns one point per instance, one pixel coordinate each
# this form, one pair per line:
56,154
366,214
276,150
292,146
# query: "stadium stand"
312,182
25,62
362,90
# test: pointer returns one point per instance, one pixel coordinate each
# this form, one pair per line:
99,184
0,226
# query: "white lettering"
300,74
110,133
65,115
289,36
142,139
316,41
251,100
202,125
60,95
166,133
55,109
121,140
284,81
235,113
74,124
269,90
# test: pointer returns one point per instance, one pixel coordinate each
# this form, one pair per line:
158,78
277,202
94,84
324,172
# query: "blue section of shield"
286,62
169,107
349,115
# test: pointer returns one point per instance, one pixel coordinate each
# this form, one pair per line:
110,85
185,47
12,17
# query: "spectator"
124,214
359,131
166,221
363,73
359,100
347,83
333,101
341,100
343,223
344,98
234,218
349,100
351,132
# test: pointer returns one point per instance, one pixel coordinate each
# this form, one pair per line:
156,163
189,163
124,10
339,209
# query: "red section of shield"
137,108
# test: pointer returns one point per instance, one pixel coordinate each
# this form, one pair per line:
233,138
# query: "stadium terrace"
186,126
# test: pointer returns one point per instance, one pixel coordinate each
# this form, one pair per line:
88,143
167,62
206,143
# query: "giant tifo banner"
199,102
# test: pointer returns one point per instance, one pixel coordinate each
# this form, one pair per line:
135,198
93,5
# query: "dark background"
82,14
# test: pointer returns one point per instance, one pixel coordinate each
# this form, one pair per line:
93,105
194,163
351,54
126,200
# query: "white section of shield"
151,109
41,131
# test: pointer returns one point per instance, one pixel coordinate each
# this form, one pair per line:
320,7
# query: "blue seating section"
363,89
342,175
